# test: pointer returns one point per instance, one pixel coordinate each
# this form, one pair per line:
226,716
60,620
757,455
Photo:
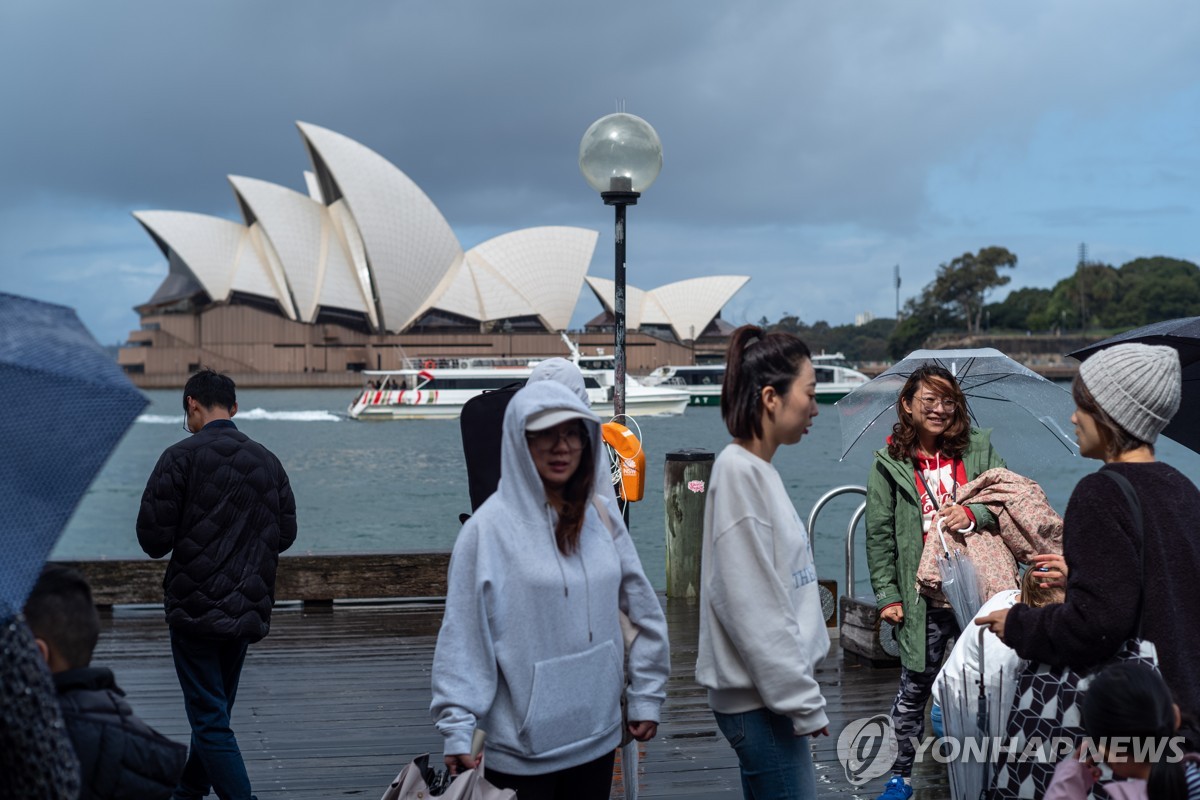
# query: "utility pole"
1079,280
896,275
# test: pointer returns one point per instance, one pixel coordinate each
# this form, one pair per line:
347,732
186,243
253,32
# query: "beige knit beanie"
1138,385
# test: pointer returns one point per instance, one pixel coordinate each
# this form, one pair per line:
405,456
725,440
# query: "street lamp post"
620,155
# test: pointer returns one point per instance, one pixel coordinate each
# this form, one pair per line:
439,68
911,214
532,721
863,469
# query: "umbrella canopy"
1027,411
1184,335
66,405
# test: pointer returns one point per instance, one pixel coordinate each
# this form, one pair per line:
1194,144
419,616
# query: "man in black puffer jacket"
120,756
223,504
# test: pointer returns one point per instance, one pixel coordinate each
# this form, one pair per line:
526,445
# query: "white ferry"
835,379
439,388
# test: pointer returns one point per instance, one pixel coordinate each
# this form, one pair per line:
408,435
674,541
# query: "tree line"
1097,297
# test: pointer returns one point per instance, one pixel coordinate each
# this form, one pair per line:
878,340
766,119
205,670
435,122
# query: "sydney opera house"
363,272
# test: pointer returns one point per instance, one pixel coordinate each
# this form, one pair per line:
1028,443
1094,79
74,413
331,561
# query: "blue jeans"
208,671
776,764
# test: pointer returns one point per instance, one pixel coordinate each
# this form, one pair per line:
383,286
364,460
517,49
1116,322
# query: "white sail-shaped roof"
690,305
687,306
461,295
410,248
546,266
312,255
218,252
498,297
635,299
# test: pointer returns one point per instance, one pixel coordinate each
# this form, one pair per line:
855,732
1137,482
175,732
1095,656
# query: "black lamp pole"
619,196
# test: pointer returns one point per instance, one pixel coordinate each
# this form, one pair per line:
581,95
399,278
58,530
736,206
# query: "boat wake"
252,414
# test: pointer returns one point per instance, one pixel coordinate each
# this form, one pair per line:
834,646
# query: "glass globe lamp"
620,153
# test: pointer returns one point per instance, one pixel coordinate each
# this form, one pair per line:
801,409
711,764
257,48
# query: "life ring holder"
429,364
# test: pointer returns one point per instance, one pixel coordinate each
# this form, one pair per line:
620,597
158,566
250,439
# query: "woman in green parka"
913,484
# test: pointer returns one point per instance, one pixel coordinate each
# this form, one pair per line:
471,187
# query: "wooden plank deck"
335,701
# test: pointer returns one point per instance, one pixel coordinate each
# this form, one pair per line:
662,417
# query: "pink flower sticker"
696,486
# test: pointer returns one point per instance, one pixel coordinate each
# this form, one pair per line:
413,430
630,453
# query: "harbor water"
400,486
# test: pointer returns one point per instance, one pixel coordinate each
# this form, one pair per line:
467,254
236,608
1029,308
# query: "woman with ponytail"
1132,725
762,631
531,647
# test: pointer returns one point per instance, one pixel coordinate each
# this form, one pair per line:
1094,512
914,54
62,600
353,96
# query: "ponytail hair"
1128,699
755,360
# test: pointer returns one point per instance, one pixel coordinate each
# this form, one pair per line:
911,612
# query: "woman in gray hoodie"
530,648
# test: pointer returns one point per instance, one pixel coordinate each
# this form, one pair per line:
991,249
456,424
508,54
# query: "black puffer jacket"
222,502
120,756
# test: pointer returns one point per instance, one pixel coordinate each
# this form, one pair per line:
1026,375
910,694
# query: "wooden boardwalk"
334,702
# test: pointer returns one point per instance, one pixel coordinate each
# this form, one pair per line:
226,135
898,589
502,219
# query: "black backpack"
482,424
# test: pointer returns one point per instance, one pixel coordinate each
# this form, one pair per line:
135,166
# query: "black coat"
120,756
223,504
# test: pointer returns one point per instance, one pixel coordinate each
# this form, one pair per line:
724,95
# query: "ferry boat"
438,389
835,379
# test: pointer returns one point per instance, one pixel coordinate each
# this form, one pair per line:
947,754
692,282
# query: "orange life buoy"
429,364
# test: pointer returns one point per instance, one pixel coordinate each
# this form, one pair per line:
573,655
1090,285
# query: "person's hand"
1084,753
954,517
994,621
1052,562
893,614
461,762
823,732
642,730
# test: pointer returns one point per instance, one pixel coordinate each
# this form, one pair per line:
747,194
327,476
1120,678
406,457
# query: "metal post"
619,195
619,315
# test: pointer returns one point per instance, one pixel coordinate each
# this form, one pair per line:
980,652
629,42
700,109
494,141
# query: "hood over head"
520,485
564,372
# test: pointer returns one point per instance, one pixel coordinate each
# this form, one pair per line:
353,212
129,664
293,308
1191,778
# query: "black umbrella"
1184,335
65,405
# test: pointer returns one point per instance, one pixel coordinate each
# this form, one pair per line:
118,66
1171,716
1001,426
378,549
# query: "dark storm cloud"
799,137
769,112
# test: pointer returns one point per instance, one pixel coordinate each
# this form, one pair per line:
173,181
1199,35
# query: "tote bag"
413,784
1047,707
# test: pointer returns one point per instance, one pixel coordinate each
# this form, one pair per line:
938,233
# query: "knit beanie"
1137,385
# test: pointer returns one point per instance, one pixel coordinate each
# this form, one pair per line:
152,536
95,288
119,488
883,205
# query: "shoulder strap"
1135,508
603,512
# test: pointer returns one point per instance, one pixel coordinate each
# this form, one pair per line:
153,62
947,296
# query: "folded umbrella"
960,582
66,405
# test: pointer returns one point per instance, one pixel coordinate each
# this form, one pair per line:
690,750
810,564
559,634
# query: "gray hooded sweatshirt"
530,648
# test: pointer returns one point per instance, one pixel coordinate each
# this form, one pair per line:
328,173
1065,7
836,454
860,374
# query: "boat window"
706,377
498,382
590,382
824,375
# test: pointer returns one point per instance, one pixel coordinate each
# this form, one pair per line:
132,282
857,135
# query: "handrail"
822,501
825,498
858,514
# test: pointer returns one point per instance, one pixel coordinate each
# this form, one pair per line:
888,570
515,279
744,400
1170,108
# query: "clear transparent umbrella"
1028,413
960,582
975,706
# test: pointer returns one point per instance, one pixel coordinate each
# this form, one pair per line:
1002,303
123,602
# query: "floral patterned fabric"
1025,526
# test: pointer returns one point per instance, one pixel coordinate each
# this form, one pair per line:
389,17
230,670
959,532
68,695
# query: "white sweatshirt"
762,632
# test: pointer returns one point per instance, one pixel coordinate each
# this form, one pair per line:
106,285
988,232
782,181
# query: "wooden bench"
315,579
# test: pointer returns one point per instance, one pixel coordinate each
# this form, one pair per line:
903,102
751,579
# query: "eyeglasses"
549,438
930,403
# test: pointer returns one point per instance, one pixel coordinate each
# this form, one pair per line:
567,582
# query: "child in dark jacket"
120,756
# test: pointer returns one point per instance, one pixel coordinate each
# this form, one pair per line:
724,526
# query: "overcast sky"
809,145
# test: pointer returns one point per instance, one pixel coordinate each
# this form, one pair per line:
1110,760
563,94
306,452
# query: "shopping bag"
419,781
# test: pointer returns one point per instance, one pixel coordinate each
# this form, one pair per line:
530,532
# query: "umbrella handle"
941,531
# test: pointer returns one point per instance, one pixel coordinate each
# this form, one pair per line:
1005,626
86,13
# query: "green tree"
966,281
1015,311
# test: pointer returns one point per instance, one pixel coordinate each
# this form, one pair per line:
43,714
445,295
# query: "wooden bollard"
685,487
